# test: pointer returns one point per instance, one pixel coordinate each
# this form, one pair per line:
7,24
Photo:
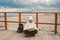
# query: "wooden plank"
19,18
41,35
55,23
36,19
35,22
34,12
5,19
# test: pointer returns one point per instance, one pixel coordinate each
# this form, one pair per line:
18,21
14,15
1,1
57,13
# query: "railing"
5,19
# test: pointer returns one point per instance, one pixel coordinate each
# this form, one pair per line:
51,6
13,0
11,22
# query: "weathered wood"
55,23
5,19
13,35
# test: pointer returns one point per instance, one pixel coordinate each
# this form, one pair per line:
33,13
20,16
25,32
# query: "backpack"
20,28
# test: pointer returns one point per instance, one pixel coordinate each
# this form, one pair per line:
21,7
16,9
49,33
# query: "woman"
30,28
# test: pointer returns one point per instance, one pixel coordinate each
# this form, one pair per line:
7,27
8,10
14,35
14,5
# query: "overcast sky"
30,5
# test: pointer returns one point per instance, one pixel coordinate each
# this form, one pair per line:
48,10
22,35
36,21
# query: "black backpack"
20,28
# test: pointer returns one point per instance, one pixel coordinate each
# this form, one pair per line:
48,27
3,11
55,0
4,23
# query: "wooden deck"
13,35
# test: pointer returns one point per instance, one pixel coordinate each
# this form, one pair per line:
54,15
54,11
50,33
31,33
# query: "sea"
15,15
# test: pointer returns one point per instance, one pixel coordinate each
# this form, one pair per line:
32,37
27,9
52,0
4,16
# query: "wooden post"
55,23
19,17
37,20
5,20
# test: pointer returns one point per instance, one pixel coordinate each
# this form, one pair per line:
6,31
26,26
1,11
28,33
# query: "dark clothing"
31,33
20,28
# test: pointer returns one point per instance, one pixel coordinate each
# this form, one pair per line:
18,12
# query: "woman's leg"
26,32
33,32
30,33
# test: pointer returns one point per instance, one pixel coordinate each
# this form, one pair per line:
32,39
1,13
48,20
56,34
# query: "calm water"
11,15
8,16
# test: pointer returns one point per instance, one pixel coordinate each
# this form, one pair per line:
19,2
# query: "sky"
29,5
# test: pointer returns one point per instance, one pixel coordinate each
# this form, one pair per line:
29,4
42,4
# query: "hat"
30,18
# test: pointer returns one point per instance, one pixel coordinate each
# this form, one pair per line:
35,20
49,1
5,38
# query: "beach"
47,18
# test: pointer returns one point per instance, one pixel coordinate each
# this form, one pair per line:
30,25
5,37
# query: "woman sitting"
30,28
